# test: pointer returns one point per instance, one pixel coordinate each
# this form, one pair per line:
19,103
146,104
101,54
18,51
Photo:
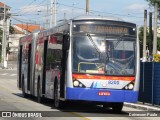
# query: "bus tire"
39,99
57,102
23,88
117,107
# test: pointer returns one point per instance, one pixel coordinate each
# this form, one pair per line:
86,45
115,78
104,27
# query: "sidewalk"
10,65
145,106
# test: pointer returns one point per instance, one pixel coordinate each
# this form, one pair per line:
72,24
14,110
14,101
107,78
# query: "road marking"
8,74
8,90
78,115
13,74
4,74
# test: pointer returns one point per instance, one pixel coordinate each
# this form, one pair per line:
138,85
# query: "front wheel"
117,107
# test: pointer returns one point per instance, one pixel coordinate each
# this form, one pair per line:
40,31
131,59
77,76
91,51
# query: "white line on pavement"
4,74
13,74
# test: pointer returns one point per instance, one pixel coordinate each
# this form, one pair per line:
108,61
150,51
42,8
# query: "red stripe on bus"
96,77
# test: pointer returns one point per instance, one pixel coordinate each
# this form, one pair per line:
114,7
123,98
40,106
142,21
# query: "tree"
152,2
11,31
1,34
141,29
148,38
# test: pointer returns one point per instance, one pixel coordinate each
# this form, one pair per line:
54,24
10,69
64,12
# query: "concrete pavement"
145,106
10,65
138,105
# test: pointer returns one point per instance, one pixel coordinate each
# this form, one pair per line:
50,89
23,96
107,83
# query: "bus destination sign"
102,29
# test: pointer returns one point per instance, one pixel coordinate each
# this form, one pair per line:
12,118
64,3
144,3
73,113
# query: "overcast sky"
36,10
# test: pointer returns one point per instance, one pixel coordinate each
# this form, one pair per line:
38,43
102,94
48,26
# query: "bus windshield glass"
111,55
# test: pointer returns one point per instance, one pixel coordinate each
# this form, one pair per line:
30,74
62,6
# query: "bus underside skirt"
102,95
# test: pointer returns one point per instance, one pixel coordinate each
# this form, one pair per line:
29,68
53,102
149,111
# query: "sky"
35,11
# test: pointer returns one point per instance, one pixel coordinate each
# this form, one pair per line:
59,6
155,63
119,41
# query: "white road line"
13,74
8,74
4,74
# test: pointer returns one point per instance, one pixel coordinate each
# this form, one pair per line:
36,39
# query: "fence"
150,83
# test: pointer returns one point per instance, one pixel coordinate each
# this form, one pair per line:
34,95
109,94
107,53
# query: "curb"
142,106
8,68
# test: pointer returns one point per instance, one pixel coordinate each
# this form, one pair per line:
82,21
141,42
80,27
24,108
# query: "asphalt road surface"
11,100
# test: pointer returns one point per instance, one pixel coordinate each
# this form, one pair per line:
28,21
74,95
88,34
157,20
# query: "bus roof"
97,18
111,18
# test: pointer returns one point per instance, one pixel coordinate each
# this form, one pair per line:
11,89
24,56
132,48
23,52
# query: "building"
20,30
5,24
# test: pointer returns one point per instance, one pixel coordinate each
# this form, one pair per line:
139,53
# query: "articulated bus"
88,58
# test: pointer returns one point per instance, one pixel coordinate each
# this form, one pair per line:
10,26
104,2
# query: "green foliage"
141,38
1,33
11,30
158,43
152,2
141,29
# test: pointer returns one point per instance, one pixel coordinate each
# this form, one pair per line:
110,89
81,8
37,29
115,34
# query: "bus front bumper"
101,95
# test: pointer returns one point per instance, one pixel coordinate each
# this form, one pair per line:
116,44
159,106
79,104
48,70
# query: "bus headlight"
130,86
76,83
126,87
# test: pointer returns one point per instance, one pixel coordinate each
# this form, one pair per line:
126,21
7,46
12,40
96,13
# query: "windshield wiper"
119,40
97,49
93,43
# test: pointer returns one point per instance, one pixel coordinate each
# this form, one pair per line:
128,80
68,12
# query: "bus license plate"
104,93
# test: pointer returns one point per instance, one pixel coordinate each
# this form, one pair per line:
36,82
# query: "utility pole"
73,10
55,12
4,62
144,35
150,34
64,16
51,14
155,29
87,7
47,16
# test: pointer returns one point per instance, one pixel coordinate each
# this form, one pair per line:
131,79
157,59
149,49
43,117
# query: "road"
11,100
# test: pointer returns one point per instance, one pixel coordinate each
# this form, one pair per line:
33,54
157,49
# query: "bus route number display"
101,29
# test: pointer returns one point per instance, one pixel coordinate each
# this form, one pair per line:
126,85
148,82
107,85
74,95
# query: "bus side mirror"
66,42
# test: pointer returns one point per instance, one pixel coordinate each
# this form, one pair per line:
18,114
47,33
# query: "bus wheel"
57,102
23,88
117,107
39,99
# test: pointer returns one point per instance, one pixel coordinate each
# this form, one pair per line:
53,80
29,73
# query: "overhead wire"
91,11
99,11
20,10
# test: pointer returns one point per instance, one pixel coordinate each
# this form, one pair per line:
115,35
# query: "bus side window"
54,53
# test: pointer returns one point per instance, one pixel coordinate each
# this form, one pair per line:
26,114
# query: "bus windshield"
93,54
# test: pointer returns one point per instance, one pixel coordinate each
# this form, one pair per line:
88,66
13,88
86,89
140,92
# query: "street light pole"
155,29
144,36
87,7
4,62
51,14
55,12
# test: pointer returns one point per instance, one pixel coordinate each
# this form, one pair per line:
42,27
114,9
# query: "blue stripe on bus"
92,95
